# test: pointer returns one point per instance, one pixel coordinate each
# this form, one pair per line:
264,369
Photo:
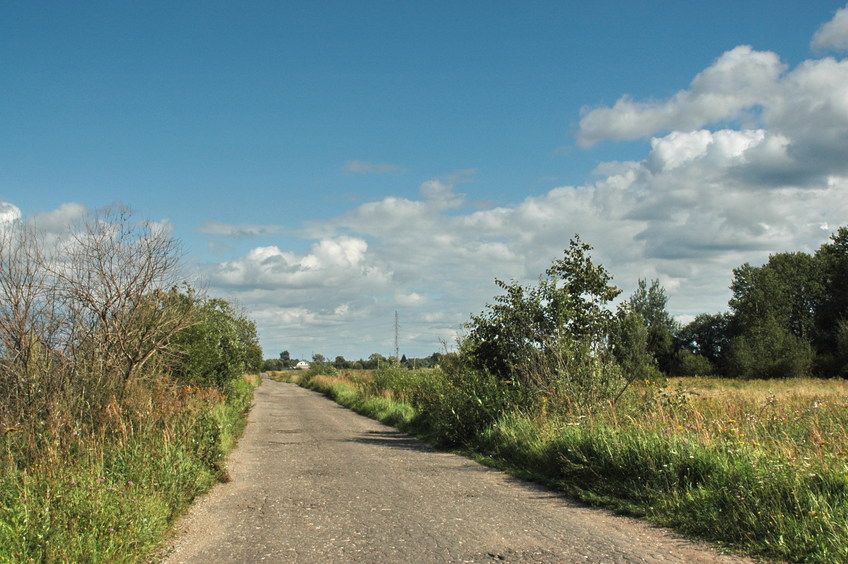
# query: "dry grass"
796,419
253,379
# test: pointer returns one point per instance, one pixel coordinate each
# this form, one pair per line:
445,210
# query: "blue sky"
328,163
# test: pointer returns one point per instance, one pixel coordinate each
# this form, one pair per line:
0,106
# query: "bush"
460,402
770,351
218,348
685,363
554,340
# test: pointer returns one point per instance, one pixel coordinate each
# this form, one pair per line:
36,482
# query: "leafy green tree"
839,356
552,334
769,350
687,363
217,348
650,303
272,364
250,340
286,359
774,309
630,339
832,312
707,336
787,289
375,360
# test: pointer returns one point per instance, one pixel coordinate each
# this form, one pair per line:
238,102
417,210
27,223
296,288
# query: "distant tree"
838,357
319,359
832,312
774,309
375,360
708,336
787,289
630,339
272,365
769,350
686,363
650,303
286,359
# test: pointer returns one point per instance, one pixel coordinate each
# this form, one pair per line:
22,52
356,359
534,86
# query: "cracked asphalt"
314,482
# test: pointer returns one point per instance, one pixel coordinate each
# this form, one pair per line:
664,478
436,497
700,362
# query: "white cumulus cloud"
738,80
833,34
329,263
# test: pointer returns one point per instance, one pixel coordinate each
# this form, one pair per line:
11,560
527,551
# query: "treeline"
373,362
120,388
787,318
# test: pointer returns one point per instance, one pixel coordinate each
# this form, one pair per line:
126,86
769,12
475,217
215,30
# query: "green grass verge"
114,497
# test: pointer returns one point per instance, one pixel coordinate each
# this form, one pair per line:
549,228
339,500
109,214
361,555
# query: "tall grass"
759,465
74,492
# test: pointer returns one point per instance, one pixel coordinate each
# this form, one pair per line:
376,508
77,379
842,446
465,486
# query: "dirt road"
314,482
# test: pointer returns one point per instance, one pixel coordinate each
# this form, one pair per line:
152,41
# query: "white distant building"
302,365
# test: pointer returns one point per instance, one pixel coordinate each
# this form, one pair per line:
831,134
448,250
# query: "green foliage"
787,289
460,402
552,335
206,439
769,350
787,318
686,363
650,303
833,310
100,448
111,498
785,313
708,335
218,348
630,339
284,362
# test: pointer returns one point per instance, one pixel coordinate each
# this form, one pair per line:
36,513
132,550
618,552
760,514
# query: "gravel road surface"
314,482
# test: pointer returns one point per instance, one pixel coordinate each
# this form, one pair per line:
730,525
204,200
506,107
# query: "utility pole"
397,329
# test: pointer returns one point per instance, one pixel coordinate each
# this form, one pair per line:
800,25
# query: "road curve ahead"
314,482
